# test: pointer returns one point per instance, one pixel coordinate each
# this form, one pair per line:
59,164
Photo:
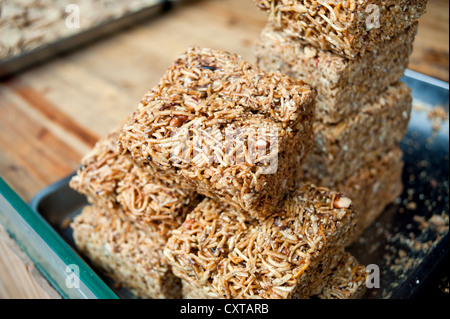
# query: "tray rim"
55,242
427,79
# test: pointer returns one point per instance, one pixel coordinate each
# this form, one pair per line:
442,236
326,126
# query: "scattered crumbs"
444,286
412,206
66,222
438,223
437,117
404,252
420,221
420,106
438,113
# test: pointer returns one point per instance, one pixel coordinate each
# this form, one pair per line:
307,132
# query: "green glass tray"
51,255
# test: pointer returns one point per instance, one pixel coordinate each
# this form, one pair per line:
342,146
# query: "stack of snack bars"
354,54
131,218
196,195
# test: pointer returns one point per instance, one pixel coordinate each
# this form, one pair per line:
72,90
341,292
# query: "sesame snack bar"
112,181
130,255
224,128
372,188
290,254
347,281
342,149
343,85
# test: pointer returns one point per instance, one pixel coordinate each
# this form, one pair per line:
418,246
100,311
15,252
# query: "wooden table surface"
52,115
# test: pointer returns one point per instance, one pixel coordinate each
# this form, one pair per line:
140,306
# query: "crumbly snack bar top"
209,89
204,81
232,256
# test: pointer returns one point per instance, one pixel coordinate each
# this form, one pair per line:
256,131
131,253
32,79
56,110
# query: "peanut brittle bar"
224,128
290,254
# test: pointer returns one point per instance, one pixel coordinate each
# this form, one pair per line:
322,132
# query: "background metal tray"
28,59
405,242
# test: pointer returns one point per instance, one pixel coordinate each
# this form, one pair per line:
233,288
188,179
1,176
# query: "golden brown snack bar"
130,255
342,149
347,28
347,281
372,188
343,85
224,128
290,254
112,181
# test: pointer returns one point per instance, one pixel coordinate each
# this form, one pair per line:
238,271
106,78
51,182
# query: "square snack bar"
347,281
347,28
289,255
342,149
372,188
131,256
224,128
112,181
343,85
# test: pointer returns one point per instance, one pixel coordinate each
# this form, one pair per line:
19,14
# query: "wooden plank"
35,152
431,47
19,278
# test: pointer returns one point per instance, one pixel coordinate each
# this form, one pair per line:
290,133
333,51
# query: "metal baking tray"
406,266
44,53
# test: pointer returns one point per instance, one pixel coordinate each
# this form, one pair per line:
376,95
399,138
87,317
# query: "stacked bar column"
354,54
